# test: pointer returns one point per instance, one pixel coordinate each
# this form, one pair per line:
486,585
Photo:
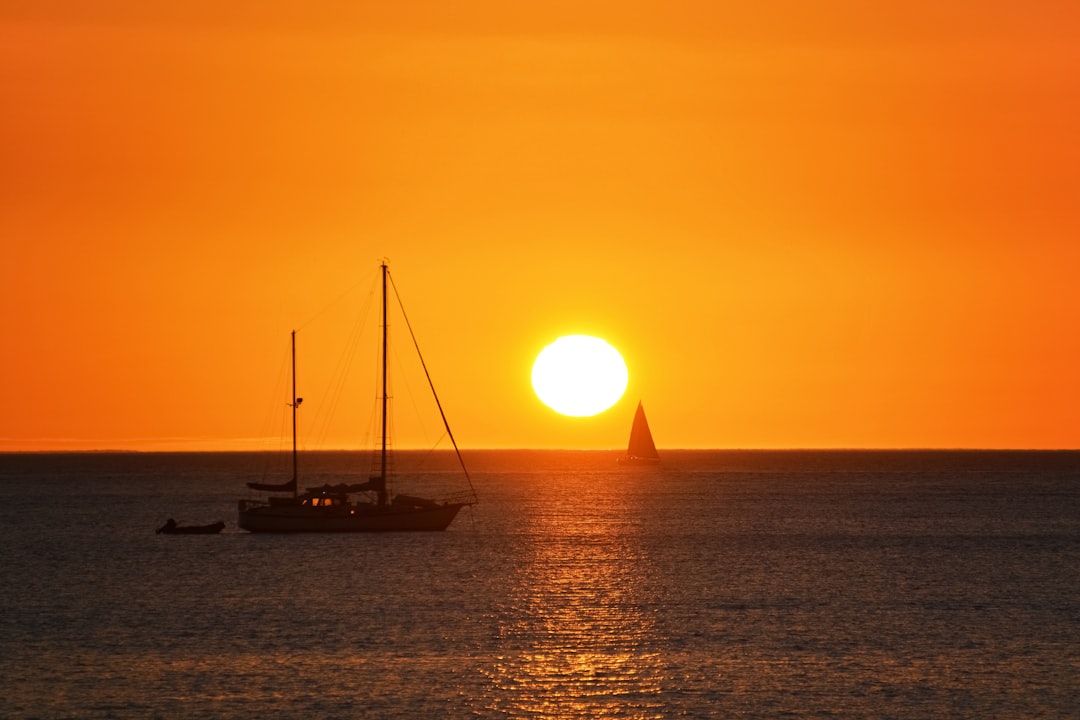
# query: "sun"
579,375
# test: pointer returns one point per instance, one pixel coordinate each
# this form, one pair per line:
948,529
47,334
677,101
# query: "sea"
718,584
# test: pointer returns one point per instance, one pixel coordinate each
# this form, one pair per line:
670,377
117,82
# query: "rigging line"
367,437
342,373
372,437
430,452
340,376
330,304
325,408
431,384
400,364
270,413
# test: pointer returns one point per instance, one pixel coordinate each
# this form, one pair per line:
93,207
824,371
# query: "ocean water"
720,584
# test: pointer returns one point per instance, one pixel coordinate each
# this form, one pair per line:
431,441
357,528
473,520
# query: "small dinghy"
171,528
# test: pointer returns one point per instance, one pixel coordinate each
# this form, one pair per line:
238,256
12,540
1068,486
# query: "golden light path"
579,375
578,636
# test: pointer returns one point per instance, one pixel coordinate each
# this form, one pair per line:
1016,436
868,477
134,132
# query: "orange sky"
804,224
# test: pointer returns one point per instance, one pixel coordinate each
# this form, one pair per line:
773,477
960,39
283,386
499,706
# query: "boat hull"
260,518
628,460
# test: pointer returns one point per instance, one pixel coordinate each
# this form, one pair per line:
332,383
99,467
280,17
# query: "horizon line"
128,451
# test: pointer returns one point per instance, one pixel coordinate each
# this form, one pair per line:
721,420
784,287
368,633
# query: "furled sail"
641,440
373,484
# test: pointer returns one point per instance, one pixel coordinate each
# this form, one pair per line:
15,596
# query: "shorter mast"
382,459
294,403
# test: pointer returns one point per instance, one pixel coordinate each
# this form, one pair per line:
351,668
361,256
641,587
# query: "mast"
382,460
294,403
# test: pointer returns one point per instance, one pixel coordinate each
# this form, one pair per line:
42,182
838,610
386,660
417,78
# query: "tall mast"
294,404
382,463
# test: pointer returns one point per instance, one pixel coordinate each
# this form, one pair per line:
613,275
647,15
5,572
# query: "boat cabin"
325,501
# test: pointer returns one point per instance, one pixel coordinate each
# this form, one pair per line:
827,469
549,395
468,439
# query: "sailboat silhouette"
339,508
641,449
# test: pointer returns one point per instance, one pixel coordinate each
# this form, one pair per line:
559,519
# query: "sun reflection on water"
579,632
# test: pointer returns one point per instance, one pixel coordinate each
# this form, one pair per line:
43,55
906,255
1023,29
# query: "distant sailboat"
367,506
641,450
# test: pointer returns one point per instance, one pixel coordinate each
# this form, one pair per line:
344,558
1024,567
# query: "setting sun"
579,375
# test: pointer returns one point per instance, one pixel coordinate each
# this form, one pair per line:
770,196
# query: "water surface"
720,584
